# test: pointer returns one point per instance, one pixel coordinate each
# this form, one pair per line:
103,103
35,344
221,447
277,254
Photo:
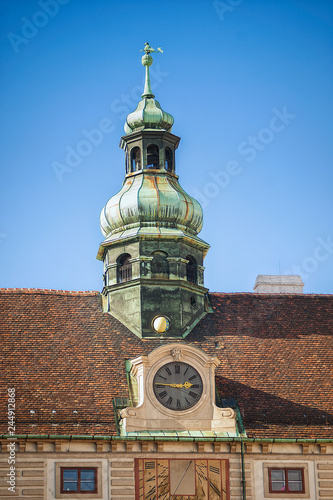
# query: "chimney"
278,284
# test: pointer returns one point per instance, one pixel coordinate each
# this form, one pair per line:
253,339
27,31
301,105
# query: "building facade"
155,389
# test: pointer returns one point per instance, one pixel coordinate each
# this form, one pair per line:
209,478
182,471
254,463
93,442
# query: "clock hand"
187,385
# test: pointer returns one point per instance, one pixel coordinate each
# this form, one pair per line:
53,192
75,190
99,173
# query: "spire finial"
147,61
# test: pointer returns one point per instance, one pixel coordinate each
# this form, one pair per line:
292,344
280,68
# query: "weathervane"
147,61
148,49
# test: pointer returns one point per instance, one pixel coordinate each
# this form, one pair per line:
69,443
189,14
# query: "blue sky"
249,84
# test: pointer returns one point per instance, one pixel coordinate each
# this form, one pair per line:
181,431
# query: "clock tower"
152,255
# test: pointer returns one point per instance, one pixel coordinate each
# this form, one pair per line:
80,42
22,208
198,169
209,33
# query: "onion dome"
151,204
148,114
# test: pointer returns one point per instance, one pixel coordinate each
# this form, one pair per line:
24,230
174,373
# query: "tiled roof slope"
60,352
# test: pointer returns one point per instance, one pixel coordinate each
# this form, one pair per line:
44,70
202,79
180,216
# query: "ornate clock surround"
151,415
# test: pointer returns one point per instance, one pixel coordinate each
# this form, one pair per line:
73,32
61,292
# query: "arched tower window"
191,269
135,159
124,268
168,160
153,157
159,265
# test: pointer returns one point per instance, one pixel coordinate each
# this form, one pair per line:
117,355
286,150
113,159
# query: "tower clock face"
177,386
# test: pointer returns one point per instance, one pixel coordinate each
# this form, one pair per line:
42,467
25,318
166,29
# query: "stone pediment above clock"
176,393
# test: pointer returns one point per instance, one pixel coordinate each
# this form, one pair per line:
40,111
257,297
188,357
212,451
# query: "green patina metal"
79,437
239,422
147,200
231,403
148,114
147,61
185,435
225,439
118,404
152,213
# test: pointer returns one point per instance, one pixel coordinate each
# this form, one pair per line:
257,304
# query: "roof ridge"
282,295
49,291
216,294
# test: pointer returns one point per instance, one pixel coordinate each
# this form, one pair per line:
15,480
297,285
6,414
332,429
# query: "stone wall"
38,461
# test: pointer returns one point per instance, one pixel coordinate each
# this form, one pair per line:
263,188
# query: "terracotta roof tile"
60,352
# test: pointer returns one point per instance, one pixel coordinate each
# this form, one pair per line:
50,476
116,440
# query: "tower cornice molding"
114,242
149,134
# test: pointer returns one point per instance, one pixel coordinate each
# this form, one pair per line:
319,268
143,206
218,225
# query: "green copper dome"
151,201
148,114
